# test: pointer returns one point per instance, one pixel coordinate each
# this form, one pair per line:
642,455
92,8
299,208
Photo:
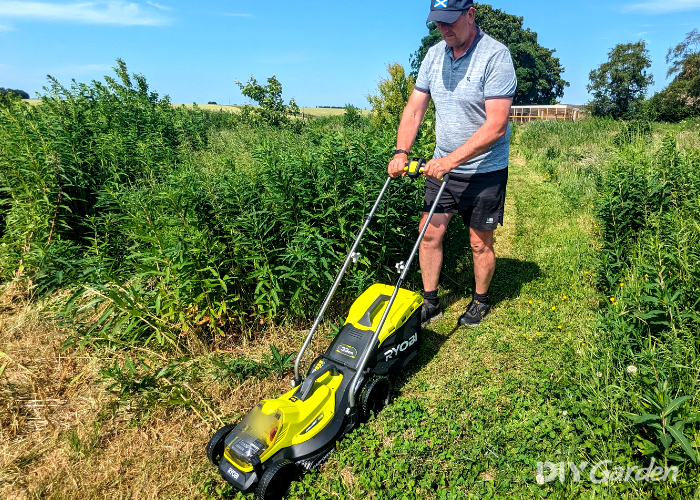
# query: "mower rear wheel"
375,395
276,480
215,446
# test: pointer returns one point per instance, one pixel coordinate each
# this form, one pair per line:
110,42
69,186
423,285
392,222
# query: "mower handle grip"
416,167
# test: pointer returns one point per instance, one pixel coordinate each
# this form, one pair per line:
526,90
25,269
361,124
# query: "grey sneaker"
429,313
476,311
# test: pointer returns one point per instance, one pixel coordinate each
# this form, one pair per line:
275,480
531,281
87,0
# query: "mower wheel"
276,480
375,395
215,446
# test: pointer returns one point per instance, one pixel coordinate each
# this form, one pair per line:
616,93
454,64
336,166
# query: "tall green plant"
57,158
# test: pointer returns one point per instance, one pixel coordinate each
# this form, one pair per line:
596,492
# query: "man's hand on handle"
397,164
438,167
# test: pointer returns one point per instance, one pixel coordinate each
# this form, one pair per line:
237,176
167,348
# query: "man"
471,79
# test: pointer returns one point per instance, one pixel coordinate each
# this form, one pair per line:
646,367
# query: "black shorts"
478,198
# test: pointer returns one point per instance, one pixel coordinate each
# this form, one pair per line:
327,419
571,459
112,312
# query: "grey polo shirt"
460,89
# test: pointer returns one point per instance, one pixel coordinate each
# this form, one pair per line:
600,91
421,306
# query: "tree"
538,72
17,92
392,96
678,54
681,99
271,108
388,105
620,84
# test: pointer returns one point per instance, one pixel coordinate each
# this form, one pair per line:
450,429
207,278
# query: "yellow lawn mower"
282,437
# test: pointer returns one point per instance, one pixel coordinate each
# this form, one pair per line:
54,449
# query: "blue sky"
323,52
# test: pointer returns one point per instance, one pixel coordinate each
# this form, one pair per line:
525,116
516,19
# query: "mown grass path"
475,413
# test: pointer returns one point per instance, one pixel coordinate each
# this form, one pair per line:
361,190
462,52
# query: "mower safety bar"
365,356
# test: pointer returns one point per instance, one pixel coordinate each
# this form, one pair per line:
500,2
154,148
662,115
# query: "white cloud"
663,7
4,27
159,6
98,12
238,15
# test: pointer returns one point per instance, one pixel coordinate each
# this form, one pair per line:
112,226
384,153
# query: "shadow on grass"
457,276
508,280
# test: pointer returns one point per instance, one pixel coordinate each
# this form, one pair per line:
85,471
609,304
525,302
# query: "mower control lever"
414,167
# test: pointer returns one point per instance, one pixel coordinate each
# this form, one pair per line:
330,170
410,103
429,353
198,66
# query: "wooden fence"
524,114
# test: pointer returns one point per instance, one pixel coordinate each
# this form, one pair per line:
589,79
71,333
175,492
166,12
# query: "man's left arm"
495,127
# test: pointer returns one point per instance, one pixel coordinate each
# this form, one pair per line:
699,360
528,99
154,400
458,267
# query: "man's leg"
430,257
484,258
430,254
484,264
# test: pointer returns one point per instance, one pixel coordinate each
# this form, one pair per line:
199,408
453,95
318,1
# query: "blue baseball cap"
447,11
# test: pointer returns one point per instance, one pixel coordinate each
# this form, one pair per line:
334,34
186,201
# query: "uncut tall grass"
644,189
168,224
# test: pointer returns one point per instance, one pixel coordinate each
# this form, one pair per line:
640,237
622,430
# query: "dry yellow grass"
63,435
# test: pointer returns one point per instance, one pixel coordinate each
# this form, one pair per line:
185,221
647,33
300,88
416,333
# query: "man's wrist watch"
399,151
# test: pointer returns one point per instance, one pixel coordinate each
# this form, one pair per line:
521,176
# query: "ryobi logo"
233,473
394,351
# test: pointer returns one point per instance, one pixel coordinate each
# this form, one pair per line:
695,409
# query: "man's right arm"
411,119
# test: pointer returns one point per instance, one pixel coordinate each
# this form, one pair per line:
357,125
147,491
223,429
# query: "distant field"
236,109
306,111
330,111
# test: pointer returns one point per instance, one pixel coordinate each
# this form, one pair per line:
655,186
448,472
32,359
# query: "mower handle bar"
365,355
414,168
331,292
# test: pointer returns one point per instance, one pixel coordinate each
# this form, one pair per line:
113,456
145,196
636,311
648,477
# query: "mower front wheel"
375,395
215,446
276,480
